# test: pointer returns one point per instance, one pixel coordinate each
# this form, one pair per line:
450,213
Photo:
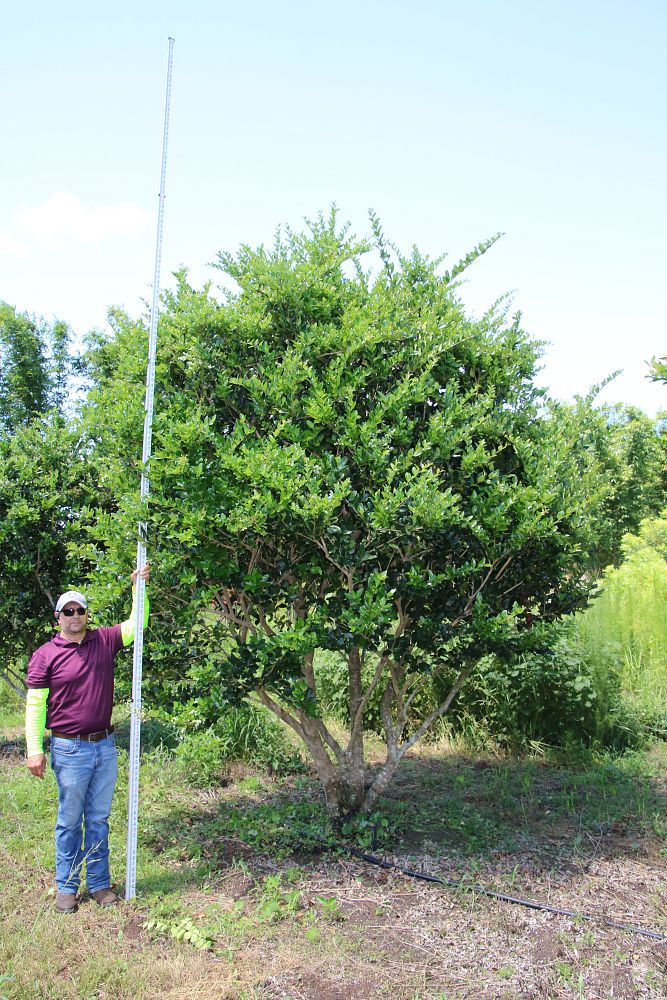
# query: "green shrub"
553,697
560,697
246,733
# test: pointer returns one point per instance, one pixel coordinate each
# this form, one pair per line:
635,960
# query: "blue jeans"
86,774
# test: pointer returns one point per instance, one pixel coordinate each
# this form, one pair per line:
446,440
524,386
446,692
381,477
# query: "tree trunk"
353,768
342,772
381,781
342,778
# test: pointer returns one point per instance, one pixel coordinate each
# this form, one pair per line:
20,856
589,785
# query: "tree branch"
329,739
343,570
41,586
282,713
358,719
8,675
471,600
429,720
387,723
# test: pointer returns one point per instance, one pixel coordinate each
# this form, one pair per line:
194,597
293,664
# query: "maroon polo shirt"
79,677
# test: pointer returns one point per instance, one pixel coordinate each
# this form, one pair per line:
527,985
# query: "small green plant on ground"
181,929
274,902
330,908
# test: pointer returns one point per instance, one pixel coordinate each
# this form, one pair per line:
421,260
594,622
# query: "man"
70,689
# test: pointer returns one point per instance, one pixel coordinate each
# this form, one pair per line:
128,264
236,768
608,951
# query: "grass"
237,898
244,890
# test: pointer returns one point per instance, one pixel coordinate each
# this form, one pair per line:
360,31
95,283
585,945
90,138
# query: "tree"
34,367
44,481
631,449
343,463
658,370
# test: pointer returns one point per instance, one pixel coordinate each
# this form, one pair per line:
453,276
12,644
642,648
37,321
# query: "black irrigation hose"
530,903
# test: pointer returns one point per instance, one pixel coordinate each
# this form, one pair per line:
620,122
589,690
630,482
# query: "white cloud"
12,247
64,215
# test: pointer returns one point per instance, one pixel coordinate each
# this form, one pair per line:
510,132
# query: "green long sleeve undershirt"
35,707
35,720
127,628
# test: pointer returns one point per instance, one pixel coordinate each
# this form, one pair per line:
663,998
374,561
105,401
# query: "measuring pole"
135,715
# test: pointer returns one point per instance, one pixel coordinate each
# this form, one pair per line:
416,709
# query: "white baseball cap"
71,595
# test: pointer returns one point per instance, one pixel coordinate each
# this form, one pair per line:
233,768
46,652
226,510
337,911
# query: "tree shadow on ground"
449,812
552,811
11,745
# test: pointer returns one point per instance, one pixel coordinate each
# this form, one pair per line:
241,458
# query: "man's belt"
89,737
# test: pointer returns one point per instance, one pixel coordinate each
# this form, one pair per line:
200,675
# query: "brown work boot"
66,902
105,897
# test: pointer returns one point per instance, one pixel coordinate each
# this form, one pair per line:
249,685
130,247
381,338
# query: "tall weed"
626,624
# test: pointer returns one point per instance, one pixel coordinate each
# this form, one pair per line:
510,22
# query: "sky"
453,121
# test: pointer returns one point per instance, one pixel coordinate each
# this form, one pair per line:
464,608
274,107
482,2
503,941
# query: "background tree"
631,448
45,479
342,463
35,367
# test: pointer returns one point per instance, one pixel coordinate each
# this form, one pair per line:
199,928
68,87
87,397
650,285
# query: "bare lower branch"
343,570
358,719
403,619
354,680
253,558
6,676
282,713
308,671
304,727
396,753
503,569
225,605
329,739
38,577
429,720
263,622
395,674
471,599
387,722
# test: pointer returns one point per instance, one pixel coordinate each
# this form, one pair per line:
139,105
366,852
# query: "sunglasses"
70,612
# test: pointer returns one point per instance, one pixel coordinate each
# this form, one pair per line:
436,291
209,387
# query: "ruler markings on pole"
137,661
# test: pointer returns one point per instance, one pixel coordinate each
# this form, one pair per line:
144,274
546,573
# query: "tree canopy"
631,449
343,461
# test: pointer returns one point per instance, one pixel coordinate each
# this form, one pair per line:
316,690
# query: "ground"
237,896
